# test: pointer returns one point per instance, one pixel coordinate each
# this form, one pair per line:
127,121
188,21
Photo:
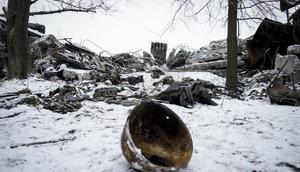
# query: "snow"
35,84
250,135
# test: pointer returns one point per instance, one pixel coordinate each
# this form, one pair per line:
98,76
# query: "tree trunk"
231,77
18,46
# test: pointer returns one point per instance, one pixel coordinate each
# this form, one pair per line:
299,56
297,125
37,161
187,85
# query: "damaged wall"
270,38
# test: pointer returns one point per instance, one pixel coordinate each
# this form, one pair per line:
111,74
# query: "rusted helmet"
154,138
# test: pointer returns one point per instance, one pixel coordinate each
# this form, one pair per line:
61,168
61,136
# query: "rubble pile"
120,78
55,59
83,70
212,57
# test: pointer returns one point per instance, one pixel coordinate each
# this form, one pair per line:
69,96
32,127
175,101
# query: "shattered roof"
287,4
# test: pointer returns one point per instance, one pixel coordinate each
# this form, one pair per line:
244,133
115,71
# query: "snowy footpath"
250,135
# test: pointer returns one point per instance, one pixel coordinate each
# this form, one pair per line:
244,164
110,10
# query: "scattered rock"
30,100
61,107
106,92
132,80
166,80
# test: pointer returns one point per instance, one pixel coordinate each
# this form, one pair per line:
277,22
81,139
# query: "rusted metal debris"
156,139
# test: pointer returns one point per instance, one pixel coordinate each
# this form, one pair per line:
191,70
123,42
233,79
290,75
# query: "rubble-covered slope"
236,135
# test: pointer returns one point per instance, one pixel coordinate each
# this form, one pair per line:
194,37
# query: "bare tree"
231,11
17,38
231,76
17,15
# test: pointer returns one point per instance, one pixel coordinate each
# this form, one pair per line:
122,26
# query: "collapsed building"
63,60
273,37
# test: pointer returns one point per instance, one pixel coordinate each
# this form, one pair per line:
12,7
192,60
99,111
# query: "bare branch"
61,11
216,10
60,6
33,1
250,18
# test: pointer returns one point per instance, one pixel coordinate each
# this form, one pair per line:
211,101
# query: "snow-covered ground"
250,135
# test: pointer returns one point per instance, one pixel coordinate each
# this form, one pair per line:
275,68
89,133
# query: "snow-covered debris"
236,135
71,74
293,49
209,57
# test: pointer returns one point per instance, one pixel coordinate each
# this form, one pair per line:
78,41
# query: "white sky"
132,27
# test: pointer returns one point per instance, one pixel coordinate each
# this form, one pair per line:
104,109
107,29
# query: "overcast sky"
133,27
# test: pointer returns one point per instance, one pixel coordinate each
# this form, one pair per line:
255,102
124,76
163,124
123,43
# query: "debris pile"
83,70
212,58
119,78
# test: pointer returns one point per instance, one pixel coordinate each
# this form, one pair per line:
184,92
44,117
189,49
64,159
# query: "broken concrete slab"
220,64
287,63
177,58
77,74
159,52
